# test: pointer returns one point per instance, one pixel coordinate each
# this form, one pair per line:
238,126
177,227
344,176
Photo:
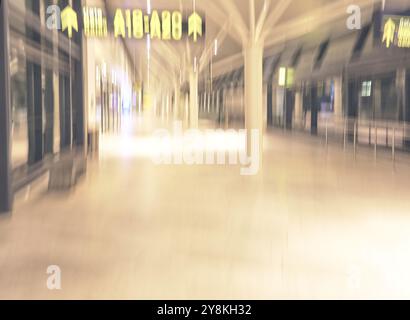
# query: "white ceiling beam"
252,22
209,50
172,56
300,26
188,52
274,16
237,20
219,18
262,19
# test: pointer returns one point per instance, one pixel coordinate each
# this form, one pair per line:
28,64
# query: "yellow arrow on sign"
69,20
388,34
195,26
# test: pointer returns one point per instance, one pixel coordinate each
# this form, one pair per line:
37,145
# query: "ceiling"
169,59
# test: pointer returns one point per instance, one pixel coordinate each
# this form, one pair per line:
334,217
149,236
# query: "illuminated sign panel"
163,26
282,77
396,31
94,22
286,77
69,21
134,24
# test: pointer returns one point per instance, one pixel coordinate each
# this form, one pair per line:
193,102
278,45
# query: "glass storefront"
378,98
44,70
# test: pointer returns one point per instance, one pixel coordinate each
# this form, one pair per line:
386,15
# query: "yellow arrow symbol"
388,34
195,26
69,20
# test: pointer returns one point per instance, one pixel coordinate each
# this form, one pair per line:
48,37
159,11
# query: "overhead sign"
135,24
286,77
94,22
396,31
69,21
195,26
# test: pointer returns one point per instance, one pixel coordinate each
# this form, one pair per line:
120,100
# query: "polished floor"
314,224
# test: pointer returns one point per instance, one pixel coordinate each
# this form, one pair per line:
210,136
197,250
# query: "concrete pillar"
231,110
274,105
402,103
401,75
254,94
6,193
226,108
205,101
377,96
298,108
35,111
193,99
217,101
186,110
265,110
77,90
269,104
314,111
338,106
176,101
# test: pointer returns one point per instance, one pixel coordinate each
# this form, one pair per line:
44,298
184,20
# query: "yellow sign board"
95,23
137,86
286,77
162,26
396,31
282,77
404,33
389,32
195,26
133,24
147,101
69,21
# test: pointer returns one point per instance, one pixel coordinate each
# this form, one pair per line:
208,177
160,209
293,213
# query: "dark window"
321,54
360,42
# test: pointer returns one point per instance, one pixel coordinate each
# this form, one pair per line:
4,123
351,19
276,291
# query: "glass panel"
389,110
366,107
34,84
19,129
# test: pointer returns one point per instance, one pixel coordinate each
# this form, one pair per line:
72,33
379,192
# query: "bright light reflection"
149,146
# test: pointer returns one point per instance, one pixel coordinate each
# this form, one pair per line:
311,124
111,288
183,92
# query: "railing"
390,136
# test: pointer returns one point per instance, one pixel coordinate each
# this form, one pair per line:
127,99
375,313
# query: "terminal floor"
314,224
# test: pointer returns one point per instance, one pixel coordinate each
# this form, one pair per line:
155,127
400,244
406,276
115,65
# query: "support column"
377,98
78,105
314,111
265,110
253,94
186,110
193,99
269,104
6,193
218,100
226,108
298,108
402,103
338,107
176,101
35,112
